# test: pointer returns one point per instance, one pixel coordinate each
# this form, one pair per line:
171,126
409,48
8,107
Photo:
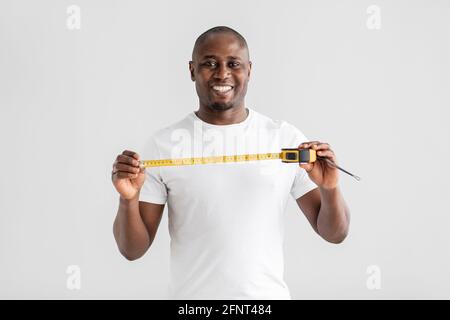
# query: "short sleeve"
302,183
154,189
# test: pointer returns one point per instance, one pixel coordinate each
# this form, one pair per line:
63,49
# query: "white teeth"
222,88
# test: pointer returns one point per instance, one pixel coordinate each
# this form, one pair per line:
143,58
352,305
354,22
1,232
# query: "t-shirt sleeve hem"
152,199
303,190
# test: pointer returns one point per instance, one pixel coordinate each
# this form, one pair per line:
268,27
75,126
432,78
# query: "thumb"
307,166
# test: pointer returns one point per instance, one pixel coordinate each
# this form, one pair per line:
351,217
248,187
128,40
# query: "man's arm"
324,206
327,213
135,226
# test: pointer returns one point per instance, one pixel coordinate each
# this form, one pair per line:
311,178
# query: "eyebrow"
214,57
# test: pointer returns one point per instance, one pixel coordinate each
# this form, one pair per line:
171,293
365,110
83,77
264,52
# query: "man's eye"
234,64
210,63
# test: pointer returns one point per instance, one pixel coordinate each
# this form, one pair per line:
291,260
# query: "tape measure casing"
289,155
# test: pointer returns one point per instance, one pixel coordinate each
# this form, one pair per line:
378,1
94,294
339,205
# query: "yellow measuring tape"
207,160
286,155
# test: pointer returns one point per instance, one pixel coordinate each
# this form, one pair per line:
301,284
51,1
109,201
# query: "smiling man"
221,71
226,221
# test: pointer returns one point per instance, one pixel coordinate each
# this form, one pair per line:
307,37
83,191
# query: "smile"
222,89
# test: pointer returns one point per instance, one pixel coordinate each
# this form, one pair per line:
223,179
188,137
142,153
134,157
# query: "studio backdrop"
81,81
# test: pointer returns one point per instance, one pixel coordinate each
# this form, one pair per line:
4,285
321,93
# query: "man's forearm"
334,216
129,230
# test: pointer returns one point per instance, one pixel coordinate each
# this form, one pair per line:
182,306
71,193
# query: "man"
225,220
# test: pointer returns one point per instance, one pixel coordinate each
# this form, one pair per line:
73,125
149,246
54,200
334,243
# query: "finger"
131,154
307,144
329,154
321,146
125,175
121,167
127,160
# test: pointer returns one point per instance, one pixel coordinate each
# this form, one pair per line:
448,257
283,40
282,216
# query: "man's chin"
220,106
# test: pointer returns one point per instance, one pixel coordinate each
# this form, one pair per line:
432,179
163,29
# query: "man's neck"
222,118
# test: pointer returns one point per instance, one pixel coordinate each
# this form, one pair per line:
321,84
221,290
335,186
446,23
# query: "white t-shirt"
226,221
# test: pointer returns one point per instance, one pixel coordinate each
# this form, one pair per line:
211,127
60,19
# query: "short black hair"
219,29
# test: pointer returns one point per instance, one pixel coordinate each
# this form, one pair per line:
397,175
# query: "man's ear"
249,68
191,70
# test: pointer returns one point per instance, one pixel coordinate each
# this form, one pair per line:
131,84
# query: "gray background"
71,100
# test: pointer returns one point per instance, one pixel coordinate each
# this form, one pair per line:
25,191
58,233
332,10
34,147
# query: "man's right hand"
127,177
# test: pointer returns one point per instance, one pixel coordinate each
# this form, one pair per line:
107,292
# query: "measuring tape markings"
209,160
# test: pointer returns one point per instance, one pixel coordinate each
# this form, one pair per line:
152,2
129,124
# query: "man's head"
221,68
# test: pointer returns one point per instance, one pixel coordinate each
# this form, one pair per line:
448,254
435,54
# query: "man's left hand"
323,174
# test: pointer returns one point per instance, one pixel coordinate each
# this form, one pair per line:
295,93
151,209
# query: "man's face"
221,71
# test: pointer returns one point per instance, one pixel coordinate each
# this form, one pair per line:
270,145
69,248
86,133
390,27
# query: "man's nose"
222,72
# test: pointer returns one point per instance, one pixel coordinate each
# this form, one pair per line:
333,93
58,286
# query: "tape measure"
286,156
